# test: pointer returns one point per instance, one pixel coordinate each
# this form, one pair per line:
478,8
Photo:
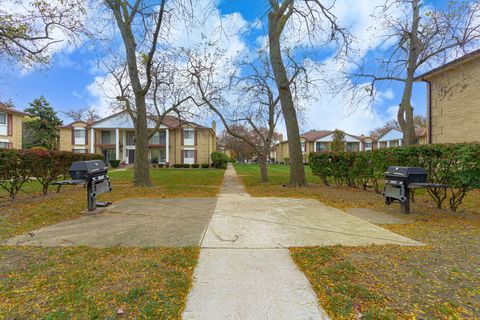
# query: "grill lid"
89,167
405,171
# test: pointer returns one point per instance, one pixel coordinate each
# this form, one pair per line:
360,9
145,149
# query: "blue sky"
68,82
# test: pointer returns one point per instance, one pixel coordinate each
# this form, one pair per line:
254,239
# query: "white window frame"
4,126
4,144
80,141
188,141
303,145
189,160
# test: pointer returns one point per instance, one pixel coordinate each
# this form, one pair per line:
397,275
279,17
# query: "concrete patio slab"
250,284
245,222
377,217
130,223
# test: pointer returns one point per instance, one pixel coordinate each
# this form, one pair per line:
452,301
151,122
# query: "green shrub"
178,165
456,165
205,165
114,163
19,166
186,165
219,160
15,170
195,165
161,165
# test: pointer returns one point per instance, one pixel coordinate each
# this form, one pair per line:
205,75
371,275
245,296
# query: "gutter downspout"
429,111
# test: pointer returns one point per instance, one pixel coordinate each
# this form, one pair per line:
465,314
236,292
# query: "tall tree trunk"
262,162
405,111
142,170
297,171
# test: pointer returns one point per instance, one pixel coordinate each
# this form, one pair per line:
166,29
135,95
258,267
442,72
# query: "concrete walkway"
242,283
245,269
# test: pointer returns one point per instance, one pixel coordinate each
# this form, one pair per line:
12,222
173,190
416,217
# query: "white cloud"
103,91
77,95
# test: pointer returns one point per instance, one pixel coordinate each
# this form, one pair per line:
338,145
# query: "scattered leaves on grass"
438,281
87,283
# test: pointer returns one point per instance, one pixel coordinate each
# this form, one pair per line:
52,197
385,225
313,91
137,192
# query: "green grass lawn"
89,283
438,281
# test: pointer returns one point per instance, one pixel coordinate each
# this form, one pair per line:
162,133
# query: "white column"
92,141
378,144
361,146
117,144
388,144
399,142
167,146
124,142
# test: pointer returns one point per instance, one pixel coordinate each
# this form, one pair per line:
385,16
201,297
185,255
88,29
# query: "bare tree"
241,150
257,103
314,15
419,39
88,115
140,23
29,29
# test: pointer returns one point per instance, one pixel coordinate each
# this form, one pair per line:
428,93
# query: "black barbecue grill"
93,174
400,180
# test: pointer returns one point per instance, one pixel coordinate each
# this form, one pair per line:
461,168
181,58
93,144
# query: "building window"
108,154
79,150
158,155
80,135
189,156
320,147
188,137
108,137
349,146
3,119
303,146
130,138
158,138
4,145
368,145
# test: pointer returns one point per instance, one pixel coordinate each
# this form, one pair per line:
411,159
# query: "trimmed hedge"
195,165
205,165
219,160
457,165
114,163
20,166
178,165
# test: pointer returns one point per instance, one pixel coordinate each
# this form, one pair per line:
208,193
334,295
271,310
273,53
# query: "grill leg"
91,200
405,206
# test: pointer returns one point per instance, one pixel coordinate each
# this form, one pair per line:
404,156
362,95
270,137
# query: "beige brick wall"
455,105
16,137
282,150
206,144
65,138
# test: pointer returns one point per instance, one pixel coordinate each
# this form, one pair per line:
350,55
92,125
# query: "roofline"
444,67
170,127
13,110
70,125
388,132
